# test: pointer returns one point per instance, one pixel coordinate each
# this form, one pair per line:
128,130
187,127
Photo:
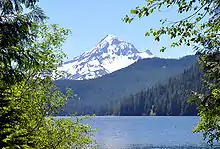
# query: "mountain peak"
109,55
110,36
109,39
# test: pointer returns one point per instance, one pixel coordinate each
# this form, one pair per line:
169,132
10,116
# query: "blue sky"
91,20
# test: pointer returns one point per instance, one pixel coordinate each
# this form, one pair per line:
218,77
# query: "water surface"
145,132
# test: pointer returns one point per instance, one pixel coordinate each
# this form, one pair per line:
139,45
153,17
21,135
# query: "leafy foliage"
195,29
29,56
16,31
209,103
66,134
199,29
36,97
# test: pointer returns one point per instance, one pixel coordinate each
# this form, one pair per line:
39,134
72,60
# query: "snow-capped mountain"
109,55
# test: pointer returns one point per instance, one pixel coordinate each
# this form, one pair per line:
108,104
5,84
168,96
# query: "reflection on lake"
141,132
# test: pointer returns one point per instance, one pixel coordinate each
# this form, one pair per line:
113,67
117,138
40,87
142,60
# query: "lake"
145,132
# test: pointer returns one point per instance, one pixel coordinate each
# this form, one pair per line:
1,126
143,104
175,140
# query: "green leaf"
162,49
134,11
147,34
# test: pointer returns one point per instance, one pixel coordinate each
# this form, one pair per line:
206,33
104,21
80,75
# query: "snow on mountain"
109,55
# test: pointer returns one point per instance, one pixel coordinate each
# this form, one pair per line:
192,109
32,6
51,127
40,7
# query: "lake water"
142,132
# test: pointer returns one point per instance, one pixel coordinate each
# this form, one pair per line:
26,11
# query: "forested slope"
162,99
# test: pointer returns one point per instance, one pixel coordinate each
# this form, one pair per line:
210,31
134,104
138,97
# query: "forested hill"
145,73
169,99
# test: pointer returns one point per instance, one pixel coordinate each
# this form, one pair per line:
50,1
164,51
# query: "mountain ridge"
140,75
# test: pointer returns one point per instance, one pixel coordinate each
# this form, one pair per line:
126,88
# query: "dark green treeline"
169,99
